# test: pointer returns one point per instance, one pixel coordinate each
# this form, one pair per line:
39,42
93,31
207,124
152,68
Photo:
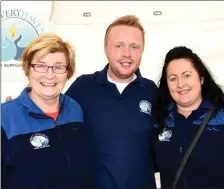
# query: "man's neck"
120,86
109,78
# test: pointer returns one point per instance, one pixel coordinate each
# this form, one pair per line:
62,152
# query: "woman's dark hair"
210,89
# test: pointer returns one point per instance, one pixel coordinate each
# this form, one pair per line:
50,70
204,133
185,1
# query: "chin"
185,104
126,74
50,96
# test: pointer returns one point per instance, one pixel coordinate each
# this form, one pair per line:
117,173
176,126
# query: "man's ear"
105,50
202,80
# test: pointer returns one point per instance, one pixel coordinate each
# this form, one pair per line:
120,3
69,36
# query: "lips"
48,84
183,92
125,63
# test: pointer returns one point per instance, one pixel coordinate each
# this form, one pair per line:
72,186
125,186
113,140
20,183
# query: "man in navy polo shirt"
117,104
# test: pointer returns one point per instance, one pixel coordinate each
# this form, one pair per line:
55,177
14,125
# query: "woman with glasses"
44,141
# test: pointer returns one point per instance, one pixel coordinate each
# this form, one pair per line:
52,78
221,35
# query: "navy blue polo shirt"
120,126
205,165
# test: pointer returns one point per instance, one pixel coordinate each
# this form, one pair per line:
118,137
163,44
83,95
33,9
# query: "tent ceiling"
104,12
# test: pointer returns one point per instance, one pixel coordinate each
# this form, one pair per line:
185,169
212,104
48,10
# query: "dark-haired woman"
186,92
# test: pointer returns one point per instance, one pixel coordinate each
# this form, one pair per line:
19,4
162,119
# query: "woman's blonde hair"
45,44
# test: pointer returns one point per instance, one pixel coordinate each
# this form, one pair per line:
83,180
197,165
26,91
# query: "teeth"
125,63
49,84
183,92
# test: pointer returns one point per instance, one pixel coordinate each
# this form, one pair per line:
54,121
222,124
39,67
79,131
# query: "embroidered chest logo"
145,107
165,135
213,129
39,141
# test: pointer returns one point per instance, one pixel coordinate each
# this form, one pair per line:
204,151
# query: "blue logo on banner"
18,29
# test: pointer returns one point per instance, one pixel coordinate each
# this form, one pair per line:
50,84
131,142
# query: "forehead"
179,66
123,33
50,57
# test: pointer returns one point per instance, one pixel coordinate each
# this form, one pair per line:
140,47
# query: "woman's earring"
202,80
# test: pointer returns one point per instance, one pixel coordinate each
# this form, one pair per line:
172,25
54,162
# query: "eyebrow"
59,63
120,42
181,74
42,62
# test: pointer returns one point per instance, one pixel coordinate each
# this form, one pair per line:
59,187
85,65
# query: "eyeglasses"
44,68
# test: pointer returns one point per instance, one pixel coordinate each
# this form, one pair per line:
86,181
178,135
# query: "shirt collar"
32,107
205,104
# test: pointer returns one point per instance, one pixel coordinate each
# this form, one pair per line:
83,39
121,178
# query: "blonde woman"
44,142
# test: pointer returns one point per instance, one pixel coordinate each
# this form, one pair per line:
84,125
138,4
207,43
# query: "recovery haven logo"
18,29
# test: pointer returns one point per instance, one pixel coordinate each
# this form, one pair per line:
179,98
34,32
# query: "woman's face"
184,82
47,84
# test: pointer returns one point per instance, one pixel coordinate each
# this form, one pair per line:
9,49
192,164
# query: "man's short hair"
128,20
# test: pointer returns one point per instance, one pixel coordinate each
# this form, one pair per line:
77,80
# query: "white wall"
198,25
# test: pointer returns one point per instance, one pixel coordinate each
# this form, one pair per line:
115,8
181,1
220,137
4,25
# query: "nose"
126,52
181,83
50,74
